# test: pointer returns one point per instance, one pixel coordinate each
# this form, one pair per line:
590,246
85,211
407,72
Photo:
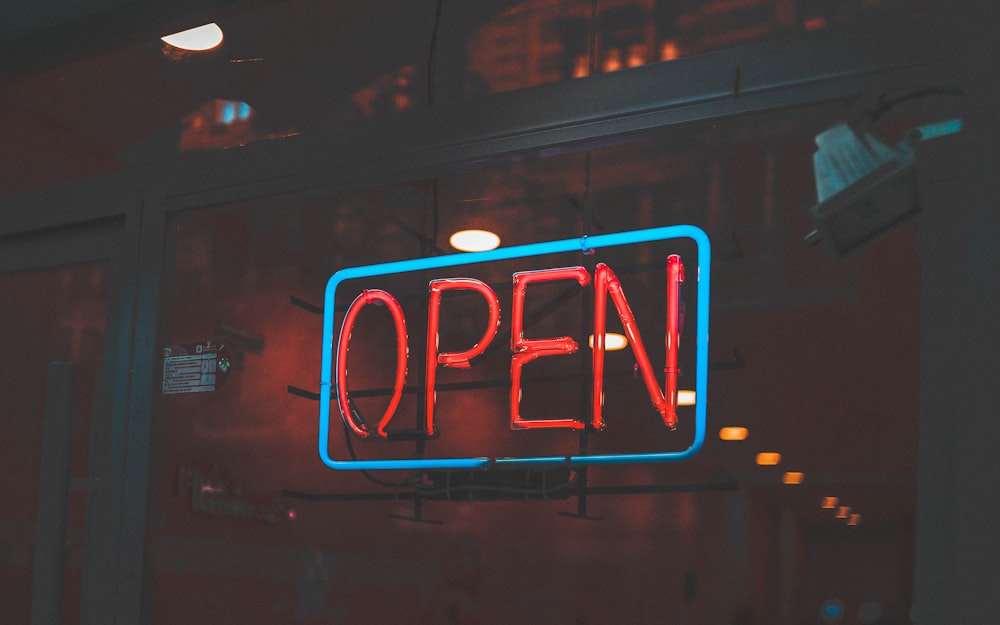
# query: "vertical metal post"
53,490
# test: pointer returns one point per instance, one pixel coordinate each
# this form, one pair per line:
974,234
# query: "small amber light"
793,477
768,458
686,398
474,240
612,341
669,51
854,519
843,512
197,39
829,503
733,433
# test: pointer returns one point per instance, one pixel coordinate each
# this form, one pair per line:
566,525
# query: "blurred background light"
831,610
733,433
768,458
612,341
793,477
870,612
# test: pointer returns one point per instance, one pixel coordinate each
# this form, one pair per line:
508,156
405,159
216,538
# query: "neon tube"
672,337
328,388
375,297
459,360
606,283
526,350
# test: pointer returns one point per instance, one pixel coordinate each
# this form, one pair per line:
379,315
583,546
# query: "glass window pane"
813,358
541,41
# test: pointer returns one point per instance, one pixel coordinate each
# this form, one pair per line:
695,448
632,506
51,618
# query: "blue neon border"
506,253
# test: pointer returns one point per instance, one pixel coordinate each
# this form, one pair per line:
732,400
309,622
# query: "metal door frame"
108,235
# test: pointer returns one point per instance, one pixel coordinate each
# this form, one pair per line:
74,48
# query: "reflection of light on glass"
196,39
613,62
733,433
474,240
292,514
832,610
843,512
228,113
869,612
581,66
612,341
636,56
814,23
669,51
687,398
793,477
768,458
829,503
854,519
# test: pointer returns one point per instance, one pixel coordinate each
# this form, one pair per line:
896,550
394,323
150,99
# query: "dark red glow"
459,360
606,284
526,350
386,299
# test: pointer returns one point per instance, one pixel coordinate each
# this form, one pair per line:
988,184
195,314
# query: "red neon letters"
374,296
459,360
607,283
524,350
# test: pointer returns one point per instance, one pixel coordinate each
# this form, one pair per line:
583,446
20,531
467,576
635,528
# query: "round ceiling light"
612,341
474,240
197,39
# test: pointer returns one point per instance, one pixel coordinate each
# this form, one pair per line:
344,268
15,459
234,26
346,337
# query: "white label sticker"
197,372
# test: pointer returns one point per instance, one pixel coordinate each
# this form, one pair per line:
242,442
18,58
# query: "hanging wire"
432,53
367,475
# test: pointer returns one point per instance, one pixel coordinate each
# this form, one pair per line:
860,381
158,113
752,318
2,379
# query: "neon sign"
333,382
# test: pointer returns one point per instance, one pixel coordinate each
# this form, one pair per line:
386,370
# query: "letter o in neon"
374,296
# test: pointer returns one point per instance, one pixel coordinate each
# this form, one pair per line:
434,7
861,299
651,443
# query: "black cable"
366,474
490,488
890,99
432,53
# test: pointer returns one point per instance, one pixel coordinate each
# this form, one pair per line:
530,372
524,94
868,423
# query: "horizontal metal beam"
772,75
766,76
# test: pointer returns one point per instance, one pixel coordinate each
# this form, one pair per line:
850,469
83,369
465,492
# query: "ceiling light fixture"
197,39
687,398
843,512
612,341
829,503
474,240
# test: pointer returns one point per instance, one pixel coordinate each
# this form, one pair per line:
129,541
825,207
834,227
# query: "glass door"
54,389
